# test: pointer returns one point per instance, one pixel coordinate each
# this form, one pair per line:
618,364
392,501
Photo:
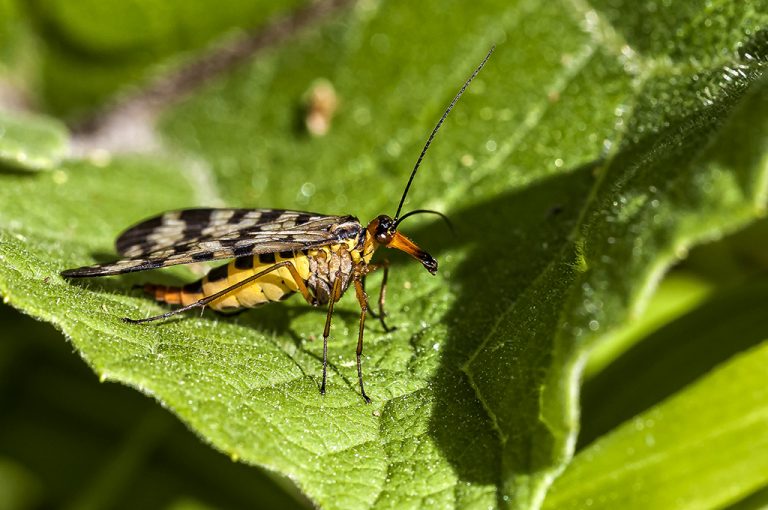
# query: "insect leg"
213,297
335,295
362,298
383,296
300,283
370,312
382,293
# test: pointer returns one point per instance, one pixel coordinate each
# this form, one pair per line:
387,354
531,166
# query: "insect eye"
385,229
383,236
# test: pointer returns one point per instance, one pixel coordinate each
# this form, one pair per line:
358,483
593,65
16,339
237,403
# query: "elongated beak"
402,243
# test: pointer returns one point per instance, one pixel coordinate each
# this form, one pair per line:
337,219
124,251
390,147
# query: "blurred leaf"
32,142
18,487
730,321
695,450
187,504
9,19
68,441
584,160
116,44
677,294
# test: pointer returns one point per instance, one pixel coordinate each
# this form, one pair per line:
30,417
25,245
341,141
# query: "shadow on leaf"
511,240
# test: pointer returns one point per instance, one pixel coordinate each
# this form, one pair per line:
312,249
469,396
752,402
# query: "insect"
274,253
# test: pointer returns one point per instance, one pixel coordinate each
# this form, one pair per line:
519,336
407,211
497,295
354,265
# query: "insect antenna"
430,211
434,131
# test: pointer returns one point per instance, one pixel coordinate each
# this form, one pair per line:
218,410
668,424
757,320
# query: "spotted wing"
187,226
198,235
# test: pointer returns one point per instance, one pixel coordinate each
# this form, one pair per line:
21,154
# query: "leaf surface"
32,142
584,160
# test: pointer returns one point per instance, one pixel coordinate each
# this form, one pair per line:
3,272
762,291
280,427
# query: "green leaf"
695,450
676,354
677,294
584,160
32,142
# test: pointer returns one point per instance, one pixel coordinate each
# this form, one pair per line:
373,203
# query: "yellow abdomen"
274,286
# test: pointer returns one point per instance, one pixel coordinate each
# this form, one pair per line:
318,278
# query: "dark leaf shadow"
511,238
7,168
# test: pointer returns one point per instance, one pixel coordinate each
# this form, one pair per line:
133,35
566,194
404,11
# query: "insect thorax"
337,260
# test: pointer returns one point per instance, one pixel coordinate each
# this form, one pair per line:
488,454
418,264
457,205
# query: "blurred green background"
673,405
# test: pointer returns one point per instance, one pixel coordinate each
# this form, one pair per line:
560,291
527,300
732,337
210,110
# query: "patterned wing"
194,225
198,235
